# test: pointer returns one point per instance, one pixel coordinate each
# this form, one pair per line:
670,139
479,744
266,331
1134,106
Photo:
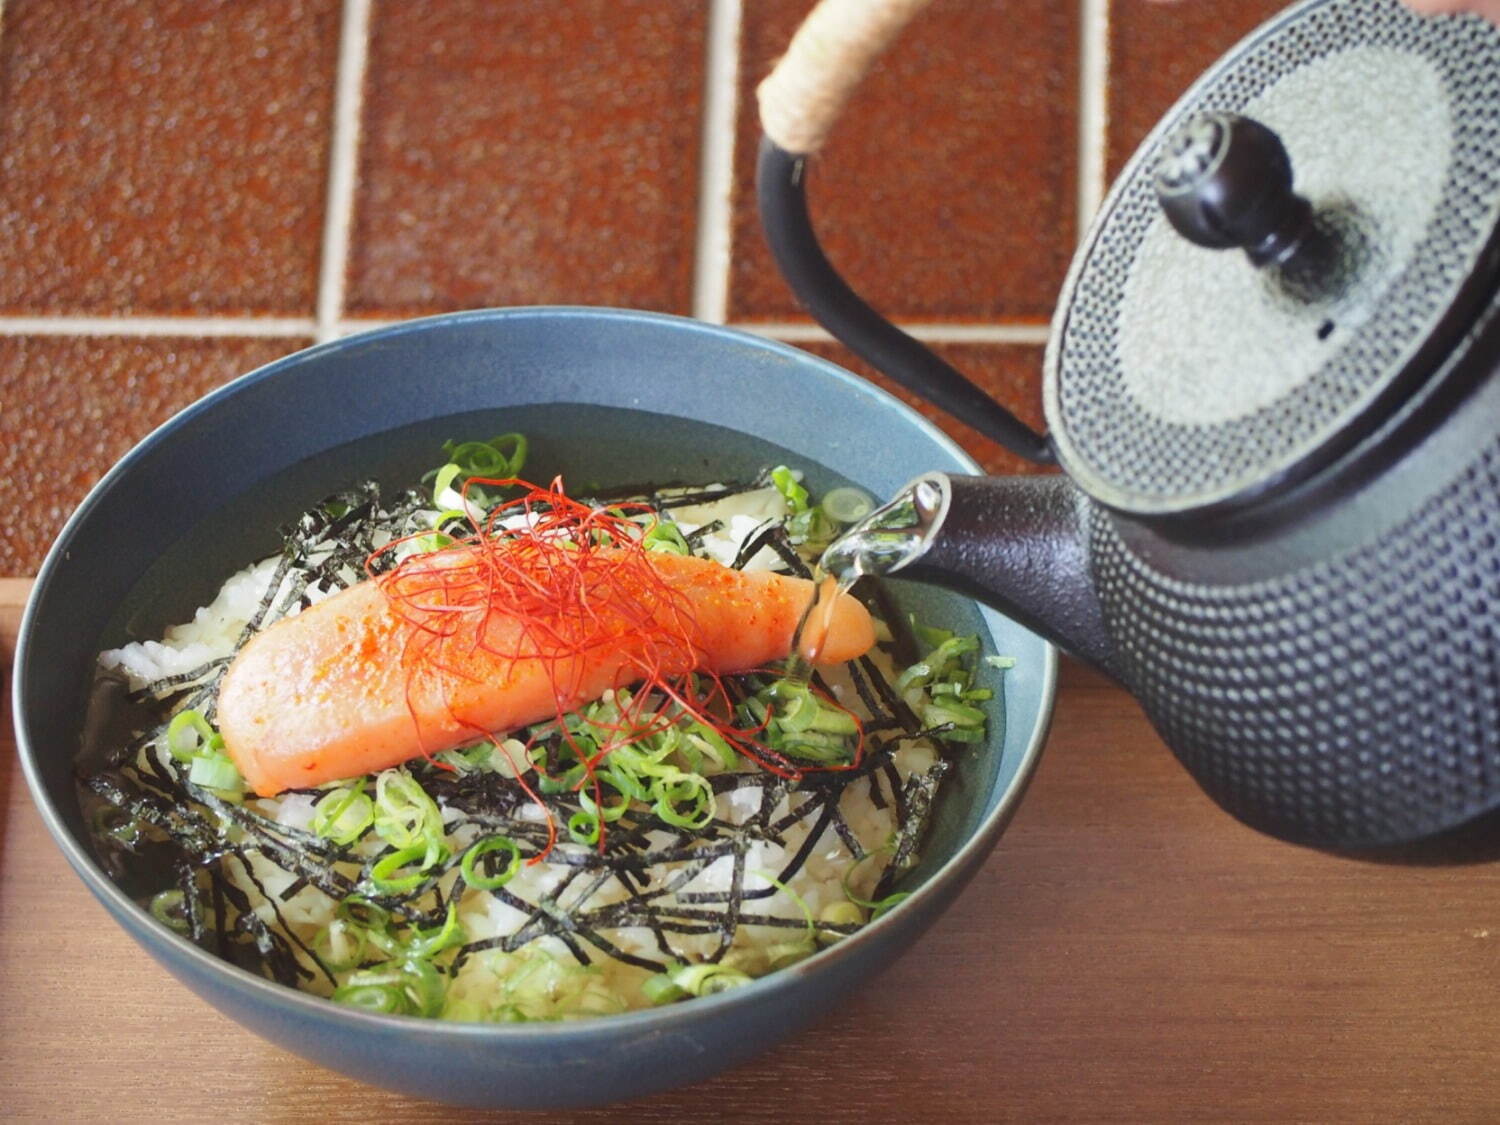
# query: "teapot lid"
1181,378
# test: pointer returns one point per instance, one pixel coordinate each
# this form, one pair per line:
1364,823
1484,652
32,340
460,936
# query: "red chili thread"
575,581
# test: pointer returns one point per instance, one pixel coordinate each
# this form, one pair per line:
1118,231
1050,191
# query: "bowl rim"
956,868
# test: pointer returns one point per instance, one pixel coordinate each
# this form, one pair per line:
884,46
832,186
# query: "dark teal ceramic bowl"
612,398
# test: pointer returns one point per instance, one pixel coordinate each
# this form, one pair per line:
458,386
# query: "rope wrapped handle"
829,56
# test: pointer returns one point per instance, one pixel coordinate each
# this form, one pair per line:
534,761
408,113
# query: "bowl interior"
605,398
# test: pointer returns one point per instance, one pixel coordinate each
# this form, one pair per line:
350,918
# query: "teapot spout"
1014,543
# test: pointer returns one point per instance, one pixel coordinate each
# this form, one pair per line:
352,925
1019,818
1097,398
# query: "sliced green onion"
756,710
685,800
480,756
705,739
786,483
888,902
848,505
566,781
413,987
404,813
785,953
360,911
215,771
796,712
426,986
343,814
917,675
341,945
432,541
752,961
929,635
623,781
444,481
634,765
878,906
813,746
833,720
844,913
812,714
189,733
388,999
113,822
802,724
508,758
948,687
429,943
705,980
609,811
383,873
661,989
943,663
502,456
666,537
170,909
584,827
936,714
469,866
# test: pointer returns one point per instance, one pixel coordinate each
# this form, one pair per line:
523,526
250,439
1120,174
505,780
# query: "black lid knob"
1226,181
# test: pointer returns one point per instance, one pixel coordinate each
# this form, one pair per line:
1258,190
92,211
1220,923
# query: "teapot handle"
799,103
828,58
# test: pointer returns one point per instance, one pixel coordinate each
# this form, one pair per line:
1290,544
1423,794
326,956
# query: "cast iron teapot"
1271,385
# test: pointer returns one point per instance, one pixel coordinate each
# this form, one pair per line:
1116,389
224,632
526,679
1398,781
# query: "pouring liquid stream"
891,537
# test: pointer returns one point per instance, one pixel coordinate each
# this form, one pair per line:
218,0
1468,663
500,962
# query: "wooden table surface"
1129,952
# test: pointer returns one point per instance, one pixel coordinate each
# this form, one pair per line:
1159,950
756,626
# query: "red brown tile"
948,190
529,152
1009,373
1157,50
74,406
163,156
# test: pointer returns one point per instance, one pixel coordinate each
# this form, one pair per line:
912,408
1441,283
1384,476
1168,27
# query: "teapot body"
1334,679
1330,673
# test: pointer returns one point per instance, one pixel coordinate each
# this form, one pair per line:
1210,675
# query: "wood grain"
1129,953
13,592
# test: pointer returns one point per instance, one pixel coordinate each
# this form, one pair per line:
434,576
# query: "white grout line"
1093,107
338,215
935,333
294,327
273,327
716,163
